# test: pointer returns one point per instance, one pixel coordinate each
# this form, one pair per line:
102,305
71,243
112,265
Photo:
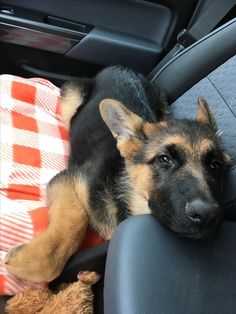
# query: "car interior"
187,48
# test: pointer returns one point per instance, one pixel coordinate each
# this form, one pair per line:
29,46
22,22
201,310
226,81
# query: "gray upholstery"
219,89
149,270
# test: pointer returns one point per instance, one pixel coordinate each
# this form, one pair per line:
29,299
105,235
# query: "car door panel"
129,32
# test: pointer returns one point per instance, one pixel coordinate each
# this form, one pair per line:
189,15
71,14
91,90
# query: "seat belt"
206,17
212,12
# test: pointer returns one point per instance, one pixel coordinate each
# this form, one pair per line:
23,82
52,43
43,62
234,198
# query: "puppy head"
177,166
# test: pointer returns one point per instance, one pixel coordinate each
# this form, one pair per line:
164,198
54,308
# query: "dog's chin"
197,235
183,229
194,233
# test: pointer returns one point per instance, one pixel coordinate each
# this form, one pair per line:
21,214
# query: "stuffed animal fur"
75,298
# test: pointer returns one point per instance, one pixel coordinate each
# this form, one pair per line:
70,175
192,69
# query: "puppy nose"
199,211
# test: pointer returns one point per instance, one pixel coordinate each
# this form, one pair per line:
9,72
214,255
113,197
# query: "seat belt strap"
209,14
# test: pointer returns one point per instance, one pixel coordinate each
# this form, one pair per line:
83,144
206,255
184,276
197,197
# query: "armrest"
151,270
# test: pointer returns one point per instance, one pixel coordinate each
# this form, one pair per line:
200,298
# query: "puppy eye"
215,164
164,159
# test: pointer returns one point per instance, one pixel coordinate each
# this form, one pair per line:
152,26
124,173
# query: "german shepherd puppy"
126,159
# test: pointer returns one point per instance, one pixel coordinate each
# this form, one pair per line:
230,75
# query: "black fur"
92,141
94,154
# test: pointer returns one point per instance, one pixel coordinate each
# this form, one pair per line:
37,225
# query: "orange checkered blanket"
34,147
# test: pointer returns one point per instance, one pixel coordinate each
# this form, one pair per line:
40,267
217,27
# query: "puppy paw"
33,262
13,252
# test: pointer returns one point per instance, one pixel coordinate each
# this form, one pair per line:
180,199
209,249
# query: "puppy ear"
125,126
122,123
204,114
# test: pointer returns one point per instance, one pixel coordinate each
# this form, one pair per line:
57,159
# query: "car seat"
151,270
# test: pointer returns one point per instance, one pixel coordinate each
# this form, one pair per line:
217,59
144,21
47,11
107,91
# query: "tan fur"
204,114
44,257
150,129
203,146
70,102
181,142
106,227
141,184
227,158
128,148
82,193
138,205
76,298
156,145
141,178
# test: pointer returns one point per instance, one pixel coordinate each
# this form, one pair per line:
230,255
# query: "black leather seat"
150,270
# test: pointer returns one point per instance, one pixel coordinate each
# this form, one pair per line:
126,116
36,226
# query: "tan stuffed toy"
75,298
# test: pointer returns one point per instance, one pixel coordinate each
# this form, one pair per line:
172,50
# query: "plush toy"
75,298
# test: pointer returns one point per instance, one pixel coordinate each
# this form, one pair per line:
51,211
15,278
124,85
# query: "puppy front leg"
45,256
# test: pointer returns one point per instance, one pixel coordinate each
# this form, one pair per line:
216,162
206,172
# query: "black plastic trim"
106,47
47,74
42,27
